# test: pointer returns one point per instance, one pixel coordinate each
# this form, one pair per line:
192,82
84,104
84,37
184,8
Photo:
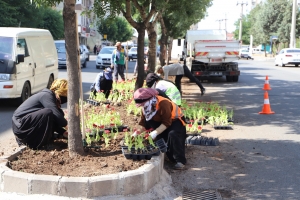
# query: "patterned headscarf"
60,87
142,95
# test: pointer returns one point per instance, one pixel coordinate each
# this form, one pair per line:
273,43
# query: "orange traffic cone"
267,85
266,107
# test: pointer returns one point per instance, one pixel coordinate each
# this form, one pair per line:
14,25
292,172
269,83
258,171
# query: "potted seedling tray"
140,154
161,144
93,102
203,141
225,127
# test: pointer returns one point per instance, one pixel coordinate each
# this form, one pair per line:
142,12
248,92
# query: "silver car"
86,52
61,54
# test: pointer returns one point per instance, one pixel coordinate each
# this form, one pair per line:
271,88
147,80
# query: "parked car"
245,53
104,57
86,52
61,53
132,54
288,56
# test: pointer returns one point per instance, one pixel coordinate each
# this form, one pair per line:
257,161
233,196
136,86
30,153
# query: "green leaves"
117,29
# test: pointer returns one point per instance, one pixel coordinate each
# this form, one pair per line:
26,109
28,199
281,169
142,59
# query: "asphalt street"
267,145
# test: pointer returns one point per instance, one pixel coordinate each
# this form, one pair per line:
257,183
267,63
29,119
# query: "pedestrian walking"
36,119
118,61
178,70
167,121
95,49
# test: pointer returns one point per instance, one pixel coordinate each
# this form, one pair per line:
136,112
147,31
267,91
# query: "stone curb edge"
132,182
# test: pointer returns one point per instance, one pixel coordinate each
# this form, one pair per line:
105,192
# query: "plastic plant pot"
208,141
193,140
215,142
198,140
161,145
126,153
188,139
203,140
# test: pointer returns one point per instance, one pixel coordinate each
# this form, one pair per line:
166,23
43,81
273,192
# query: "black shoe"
202,91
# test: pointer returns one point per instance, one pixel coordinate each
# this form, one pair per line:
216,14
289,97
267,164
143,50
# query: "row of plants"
201,113
104,121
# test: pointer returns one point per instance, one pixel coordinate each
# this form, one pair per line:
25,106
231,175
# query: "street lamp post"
242,4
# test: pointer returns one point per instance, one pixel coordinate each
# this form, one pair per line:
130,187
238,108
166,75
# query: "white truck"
213,55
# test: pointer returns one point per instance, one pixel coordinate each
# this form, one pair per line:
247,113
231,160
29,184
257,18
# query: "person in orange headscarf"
36,119
166,120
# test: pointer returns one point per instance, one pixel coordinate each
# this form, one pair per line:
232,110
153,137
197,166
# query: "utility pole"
293,26
219,20
225,23
242,5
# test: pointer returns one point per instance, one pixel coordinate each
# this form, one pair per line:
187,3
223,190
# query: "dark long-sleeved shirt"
44,99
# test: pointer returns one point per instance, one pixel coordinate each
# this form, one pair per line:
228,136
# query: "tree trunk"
74,138
162,41
170,45
140,57
163,49
152,47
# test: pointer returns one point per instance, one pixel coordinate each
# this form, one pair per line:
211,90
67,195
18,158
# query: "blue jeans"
119,70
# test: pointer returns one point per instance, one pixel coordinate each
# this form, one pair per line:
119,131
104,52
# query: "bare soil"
54,159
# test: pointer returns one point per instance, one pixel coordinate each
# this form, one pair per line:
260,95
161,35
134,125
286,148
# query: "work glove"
153,134
135,133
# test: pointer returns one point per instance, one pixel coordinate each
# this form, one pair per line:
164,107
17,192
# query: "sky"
224,9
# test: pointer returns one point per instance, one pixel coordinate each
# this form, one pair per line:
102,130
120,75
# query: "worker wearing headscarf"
167,87
166,120
36,119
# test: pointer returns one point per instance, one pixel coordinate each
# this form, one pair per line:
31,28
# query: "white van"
28,62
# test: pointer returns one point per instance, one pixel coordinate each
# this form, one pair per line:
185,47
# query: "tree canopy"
20,13
117,29
269,18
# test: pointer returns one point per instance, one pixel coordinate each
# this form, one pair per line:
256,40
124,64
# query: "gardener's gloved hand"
135,133
153,134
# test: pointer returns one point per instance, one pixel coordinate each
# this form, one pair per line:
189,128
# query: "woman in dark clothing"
95,49
103,82
35,120
166,120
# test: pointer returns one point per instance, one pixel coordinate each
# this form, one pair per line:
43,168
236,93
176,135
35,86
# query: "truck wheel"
235,78
229,78
51,79
97,67
26,93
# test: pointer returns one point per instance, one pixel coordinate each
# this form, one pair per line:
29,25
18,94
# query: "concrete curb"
132,182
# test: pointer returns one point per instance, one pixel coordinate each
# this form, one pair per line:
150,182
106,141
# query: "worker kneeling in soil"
164,86
36,119
167,121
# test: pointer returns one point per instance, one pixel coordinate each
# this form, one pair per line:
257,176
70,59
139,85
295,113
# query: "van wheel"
51,79
26,93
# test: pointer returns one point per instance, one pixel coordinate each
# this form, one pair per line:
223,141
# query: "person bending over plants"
103,82
167,121
164,87
36,119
